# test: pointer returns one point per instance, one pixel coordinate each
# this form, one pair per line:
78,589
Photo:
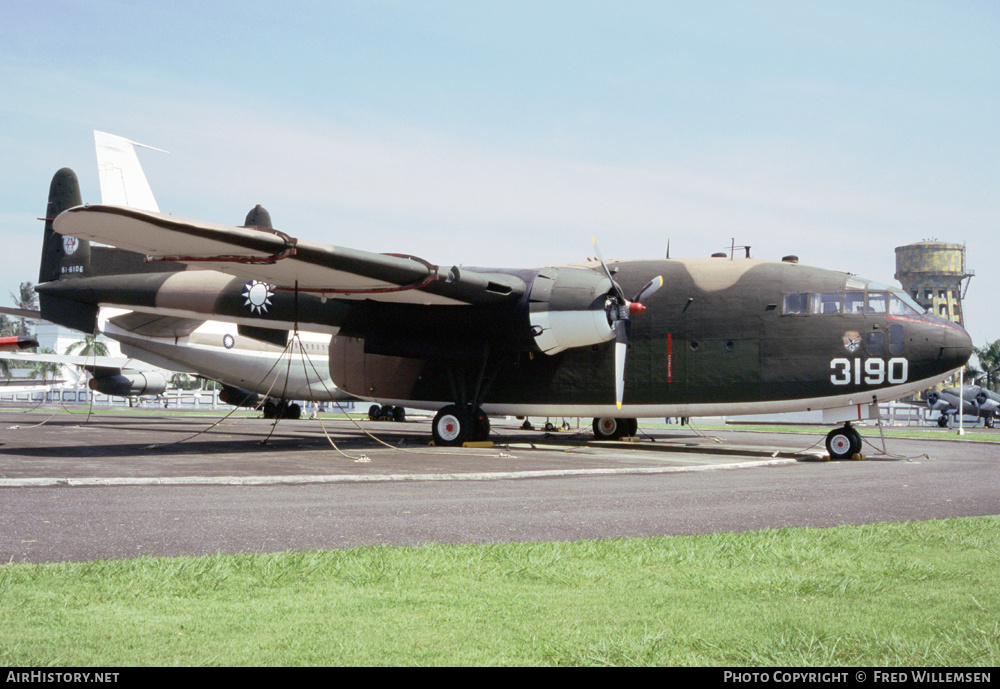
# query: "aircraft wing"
20,313
89,363
278,259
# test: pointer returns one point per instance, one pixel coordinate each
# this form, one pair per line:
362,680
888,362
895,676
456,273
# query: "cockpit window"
883,300
898,307
854,302
826,303
876,302
909,301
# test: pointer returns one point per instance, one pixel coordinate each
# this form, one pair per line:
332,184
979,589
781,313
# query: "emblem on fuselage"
228,341
69,245
852,340
257,296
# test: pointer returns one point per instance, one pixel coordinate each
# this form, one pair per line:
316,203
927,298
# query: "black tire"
607,428
293,411
480,426
452,426
843,443
398,414
632,425
943,421
373,412
989,421
270,409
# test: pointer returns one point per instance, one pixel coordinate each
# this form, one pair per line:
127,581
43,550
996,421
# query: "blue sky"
510,133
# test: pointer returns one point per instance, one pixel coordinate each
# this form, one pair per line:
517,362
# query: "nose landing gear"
843,443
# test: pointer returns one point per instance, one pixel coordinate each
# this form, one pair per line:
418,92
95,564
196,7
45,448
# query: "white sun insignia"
258,296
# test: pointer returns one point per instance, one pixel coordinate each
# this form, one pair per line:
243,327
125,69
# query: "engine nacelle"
567,308
238,397
132,384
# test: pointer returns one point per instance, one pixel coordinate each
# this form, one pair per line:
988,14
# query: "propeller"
620,310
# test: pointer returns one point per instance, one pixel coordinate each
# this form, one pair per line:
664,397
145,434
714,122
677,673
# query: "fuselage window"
796,303
875,343
896,339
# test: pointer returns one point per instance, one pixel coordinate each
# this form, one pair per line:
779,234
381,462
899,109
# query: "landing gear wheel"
989,422
843,443
373,412
632,425
452,426
609,429
480,426
943,421
293,411
398,414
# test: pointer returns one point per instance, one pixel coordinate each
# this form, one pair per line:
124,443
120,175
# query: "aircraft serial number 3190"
615,341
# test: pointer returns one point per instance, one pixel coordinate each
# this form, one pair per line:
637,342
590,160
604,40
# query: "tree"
28,300
89,346
46,369
989,362
6,328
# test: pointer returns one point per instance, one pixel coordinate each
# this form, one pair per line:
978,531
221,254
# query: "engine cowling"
568,308
239,397
130,384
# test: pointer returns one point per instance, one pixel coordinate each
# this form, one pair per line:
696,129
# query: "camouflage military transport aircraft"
720,337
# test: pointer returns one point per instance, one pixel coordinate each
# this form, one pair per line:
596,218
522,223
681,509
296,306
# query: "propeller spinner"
620,310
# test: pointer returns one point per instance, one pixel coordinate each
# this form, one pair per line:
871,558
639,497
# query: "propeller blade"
618,290
650,289
621,349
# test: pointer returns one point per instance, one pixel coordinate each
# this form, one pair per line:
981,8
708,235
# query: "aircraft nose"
956,345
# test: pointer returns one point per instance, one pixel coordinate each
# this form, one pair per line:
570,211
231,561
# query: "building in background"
933,272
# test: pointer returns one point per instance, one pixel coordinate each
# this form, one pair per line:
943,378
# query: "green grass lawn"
886,594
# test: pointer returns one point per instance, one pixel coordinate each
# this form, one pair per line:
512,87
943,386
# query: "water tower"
933,272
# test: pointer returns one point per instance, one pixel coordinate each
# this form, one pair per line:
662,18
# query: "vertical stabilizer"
63,256
123,183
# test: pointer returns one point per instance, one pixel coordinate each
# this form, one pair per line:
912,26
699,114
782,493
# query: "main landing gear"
456,424
386,413
615,429
281,409
843,443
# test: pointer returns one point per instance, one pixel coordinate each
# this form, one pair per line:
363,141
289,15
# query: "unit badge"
852,340
69,245
258,296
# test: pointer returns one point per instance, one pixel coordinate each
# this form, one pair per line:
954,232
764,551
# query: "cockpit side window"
898,307
876,302
828,302
854,302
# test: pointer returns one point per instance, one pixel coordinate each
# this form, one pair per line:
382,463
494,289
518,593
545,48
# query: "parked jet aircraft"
721,336
975,400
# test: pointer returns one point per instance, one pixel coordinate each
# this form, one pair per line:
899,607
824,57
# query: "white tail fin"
123,183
